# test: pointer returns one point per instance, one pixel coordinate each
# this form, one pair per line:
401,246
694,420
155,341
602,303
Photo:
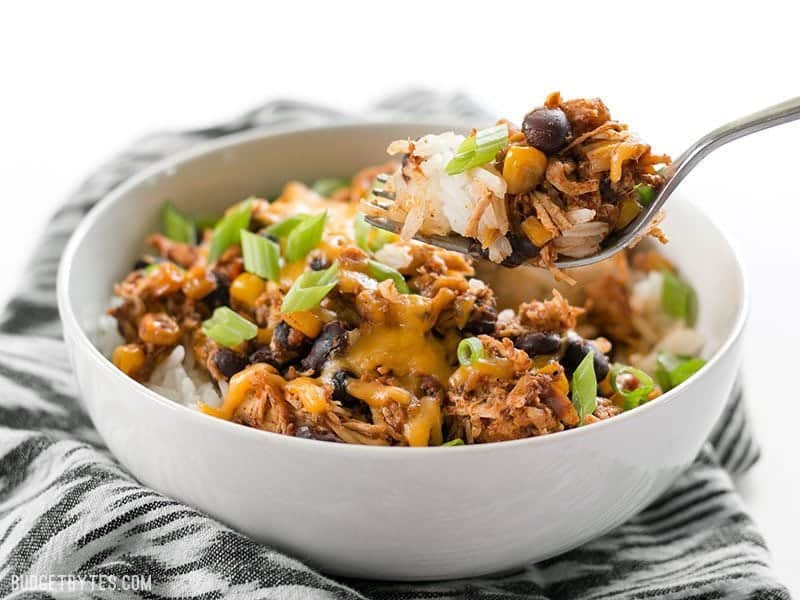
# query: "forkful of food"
570,188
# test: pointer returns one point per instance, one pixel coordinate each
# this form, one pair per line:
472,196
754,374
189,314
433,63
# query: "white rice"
178,380
397,256
175,378
584,237
450,200
674,336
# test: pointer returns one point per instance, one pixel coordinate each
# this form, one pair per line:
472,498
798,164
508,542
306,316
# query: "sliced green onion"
469,351
261,255
678,299
584,387
327,186
285,227
305,237
361,231
369,238
632,398
382,272
673,370
229,328
645,192
478,149
309,289
686,369
227,231
455,442
177,226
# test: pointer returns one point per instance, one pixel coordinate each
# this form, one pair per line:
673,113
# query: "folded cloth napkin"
72,519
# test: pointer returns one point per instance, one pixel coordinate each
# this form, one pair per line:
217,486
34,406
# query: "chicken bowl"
370,508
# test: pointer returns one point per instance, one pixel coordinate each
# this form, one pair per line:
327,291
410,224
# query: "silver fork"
673,174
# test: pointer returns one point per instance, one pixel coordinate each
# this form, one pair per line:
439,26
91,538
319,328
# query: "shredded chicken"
556,174
585,114
485,407
377,360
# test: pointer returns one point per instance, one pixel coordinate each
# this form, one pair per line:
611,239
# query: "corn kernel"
165,278
159,329
306,321
128,358
604,386
536,232
292,270
523,168
246,289
559,380
629,209
198,283
264,336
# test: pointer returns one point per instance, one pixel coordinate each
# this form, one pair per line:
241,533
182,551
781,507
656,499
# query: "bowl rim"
69,318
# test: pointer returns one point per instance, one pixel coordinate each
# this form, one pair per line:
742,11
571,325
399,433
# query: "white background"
82,80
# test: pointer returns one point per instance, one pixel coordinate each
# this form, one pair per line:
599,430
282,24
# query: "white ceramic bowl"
385,513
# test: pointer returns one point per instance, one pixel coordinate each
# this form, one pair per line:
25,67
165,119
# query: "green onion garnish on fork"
478,149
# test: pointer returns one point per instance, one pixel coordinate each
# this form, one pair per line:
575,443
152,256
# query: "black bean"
601,365
332,337
576,349
547,129
221,294
430,386
319,262
523,250
264,355
339,381
281,335
607,193
146,261
340,393
228,362
359,409
288,344
538,343
305,432
482,319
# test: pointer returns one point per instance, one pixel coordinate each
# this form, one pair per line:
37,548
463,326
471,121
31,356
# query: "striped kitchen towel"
73,523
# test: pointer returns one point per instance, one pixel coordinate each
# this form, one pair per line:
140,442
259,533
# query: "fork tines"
380,192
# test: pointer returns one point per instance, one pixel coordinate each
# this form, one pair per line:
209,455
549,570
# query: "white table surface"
81,83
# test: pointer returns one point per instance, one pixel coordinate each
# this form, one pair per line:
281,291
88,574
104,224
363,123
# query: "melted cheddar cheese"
424,425
466,376
402,350
255,378
378,395
310,392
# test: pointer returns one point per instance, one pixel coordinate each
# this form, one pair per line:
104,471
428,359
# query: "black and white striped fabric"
72,519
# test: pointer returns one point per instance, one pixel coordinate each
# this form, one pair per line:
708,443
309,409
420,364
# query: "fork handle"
758,121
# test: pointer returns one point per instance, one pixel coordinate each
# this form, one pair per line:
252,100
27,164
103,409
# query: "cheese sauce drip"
400,341
395,340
